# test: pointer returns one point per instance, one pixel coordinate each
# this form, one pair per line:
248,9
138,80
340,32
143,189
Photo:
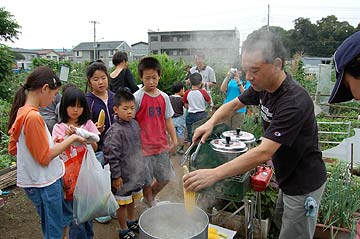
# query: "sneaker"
103,220
180,151
133,226
127,234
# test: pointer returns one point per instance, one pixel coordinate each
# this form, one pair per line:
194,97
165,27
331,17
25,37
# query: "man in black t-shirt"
290,137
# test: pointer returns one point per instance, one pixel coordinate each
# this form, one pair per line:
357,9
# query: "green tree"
331,33
303,37
8,31
9,28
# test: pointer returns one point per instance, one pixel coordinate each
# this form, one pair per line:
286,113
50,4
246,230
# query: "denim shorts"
48,202
158,166
179,123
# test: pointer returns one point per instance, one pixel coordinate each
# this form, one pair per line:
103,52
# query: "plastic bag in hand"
92,196
89,136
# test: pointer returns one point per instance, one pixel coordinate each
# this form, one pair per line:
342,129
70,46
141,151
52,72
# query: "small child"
122,150
39,169
74,112
154,115
195,100
178,117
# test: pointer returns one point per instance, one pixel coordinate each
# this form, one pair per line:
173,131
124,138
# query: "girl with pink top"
74,112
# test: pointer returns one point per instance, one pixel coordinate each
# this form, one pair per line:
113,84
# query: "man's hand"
199,179
202,132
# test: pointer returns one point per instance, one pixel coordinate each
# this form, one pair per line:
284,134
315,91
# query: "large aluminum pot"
171,221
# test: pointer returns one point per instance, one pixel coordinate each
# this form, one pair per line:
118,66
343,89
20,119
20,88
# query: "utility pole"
268,18
94,22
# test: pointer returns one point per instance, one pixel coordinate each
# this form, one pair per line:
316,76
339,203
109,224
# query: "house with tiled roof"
88,51
49,54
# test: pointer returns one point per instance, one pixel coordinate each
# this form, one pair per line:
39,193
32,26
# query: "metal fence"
333,132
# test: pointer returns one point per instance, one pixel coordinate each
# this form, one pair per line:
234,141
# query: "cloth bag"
92,196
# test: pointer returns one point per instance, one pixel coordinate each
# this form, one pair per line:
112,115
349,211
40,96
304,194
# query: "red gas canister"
261,178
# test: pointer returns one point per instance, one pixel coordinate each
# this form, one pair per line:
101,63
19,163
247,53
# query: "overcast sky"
66,23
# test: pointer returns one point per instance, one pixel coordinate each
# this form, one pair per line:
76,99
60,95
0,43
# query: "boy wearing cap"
347,67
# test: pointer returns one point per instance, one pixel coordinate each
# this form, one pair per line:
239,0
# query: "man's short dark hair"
177,86
149,63
195,78
268,43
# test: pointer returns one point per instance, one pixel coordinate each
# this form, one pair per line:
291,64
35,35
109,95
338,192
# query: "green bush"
171,71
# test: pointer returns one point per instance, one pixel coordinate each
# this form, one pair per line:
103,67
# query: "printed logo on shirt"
154,112
266,115
277,134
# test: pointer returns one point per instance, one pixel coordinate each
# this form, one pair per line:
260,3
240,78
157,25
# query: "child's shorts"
158,166
179,124
129,197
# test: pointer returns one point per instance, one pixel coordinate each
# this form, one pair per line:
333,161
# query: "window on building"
185,38
154,38
165,38
78,53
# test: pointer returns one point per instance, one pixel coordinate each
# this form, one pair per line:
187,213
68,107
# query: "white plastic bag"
92,196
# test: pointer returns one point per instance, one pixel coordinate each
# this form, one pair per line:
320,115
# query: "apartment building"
219,46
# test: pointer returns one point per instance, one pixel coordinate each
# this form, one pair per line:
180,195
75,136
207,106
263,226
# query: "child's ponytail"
19,101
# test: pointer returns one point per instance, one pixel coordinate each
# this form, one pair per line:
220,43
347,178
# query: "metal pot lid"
236,135
228,146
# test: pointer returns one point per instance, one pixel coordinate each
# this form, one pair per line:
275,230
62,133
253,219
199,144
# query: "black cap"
347,51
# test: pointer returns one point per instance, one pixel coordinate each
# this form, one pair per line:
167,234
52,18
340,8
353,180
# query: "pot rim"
174,204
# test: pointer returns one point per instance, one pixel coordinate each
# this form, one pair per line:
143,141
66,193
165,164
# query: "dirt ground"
18,217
